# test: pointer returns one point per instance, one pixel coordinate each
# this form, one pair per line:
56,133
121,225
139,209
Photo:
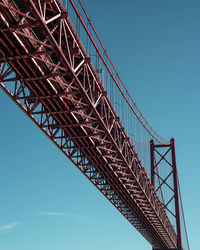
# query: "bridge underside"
46,71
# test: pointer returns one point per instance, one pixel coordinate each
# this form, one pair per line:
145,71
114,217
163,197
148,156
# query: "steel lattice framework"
158,180
46,71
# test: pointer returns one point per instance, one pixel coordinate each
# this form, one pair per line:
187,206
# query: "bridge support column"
164,178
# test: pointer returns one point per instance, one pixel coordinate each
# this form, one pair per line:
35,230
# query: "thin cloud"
60,214
8,227
85,219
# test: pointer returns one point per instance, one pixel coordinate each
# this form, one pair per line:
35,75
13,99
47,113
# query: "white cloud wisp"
60,214
8,227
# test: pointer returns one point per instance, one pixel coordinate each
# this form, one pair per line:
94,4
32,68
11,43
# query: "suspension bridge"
54,66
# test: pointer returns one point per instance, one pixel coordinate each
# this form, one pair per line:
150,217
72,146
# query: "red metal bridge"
54,66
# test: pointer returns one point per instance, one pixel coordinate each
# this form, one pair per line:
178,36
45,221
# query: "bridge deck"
47,72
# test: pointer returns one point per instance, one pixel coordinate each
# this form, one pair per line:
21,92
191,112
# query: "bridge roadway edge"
40,125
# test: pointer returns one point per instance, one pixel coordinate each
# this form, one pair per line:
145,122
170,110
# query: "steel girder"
46,71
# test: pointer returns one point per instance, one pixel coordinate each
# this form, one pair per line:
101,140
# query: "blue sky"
46,203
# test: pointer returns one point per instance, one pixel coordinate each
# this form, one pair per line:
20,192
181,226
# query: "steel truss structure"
157,157
46,71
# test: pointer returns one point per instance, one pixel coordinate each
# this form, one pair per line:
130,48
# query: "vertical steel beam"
177,211
152,155
154,166
152,163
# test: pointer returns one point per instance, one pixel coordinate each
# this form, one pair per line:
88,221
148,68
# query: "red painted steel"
123,94
47,72
145,121
171,165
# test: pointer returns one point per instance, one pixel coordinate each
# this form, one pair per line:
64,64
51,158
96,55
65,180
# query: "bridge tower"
164,176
